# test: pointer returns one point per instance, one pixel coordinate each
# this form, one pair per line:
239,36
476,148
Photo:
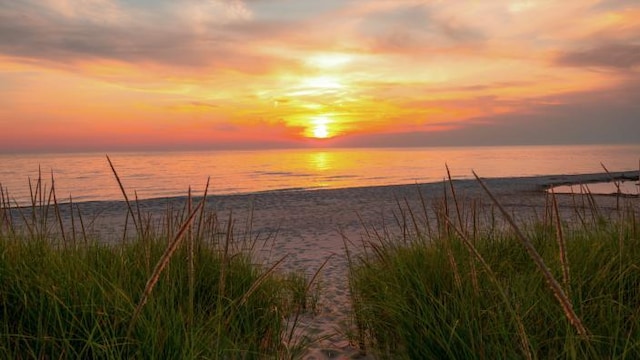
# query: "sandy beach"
312,226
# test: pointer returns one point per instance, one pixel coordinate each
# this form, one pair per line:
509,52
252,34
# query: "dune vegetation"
183,287
468,286
461,284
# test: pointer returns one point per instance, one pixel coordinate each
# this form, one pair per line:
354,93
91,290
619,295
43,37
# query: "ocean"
88,176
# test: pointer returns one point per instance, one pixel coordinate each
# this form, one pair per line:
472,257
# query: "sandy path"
310,226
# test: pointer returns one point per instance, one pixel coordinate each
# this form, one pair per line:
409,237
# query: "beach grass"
184,287
461,284
466,286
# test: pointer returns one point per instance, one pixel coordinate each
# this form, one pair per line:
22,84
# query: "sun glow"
329,61
320,127
320,131
322,82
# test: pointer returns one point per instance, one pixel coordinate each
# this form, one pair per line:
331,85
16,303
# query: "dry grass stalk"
547,216
363,225
474,274
634,223
445,203
38,224
416,227
34,195
616,184
452,260
455,198
84,232
141,231
522,334
401,220
204,201
6,220
592,205
56,208
249,241
26,223
225,254
124,193
190,260
73,223
446,236
564,261
555,287
355,301
124,231
162,263
581,217
423,203
223,273
475,217
39,212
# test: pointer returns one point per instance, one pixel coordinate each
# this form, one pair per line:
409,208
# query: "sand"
313,225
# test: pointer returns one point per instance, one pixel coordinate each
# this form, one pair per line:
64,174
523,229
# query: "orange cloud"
245,73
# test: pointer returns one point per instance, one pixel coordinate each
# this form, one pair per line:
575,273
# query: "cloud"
190,33
615,4
438,70
203,104
411,27
618,56
580,118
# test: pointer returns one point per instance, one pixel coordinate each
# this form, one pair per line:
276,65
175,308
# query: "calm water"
625,187
164,174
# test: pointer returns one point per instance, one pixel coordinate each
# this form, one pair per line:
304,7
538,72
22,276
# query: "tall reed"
94,299
424,297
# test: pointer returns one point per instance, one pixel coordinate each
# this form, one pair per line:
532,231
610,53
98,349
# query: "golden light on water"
321,161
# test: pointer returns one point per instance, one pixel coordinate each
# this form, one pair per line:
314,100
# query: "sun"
320,127
320,131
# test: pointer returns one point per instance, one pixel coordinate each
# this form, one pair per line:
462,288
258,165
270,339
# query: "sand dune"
313,225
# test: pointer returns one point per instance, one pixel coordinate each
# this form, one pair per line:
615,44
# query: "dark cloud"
580,118
203,104
54,38
491,86
511,130
619,56
615,4
150,35
413,27
227,127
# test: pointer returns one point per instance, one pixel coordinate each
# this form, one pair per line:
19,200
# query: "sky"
82,75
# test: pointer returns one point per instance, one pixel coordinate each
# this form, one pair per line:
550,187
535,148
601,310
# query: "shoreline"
539,182
313,225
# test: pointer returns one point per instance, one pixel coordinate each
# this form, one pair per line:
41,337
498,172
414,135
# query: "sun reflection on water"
321,161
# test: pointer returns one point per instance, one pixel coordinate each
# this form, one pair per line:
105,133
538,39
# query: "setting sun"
320,131
319,128
275,74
